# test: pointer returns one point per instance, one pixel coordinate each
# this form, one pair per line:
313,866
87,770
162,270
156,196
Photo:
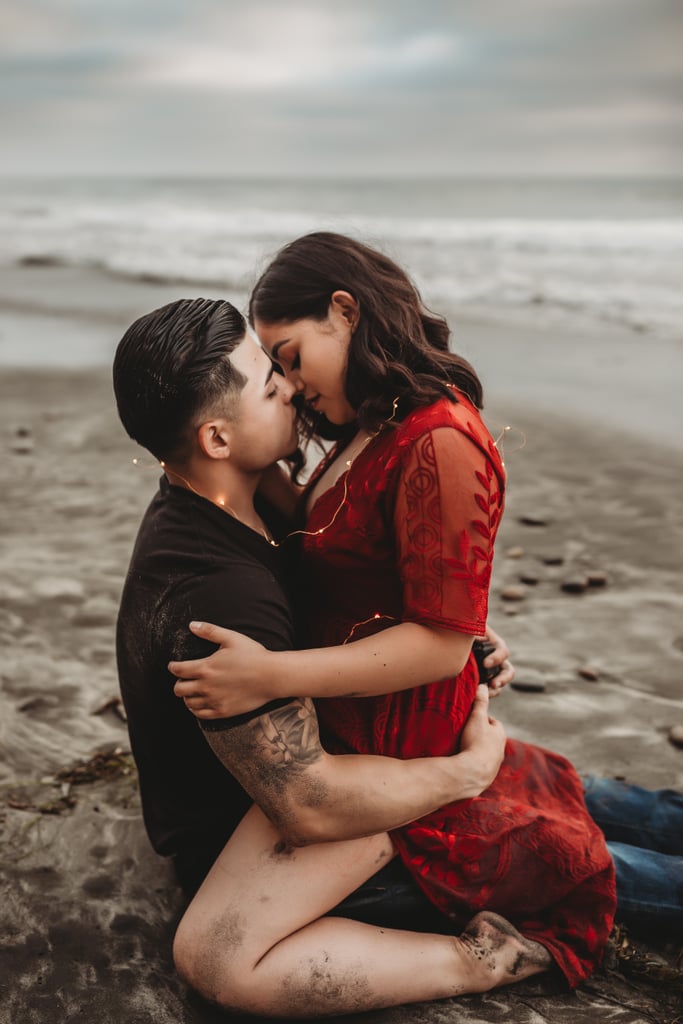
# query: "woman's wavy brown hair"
399,349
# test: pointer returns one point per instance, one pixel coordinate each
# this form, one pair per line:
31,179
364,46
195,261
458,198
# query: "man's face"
263,427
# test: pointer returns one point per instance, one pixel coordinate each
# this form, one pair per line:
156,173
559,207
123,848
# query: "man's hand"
483,743
500,656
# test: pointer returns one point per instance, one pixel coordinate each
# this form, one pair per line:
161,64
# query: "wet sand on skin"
87,909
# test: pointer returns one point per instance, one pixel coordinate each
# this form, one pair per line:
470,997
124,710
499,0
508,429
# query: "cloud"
364,88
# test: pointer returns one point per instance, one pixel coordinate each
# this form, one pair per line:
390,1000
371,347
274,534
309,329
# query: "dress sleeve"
448,505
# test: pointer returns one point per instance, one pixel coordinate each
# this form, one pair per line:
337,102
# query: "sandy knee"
211,956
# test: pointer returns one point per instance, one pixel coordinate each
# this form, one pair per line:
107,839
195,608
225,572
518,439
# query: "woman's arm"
242,675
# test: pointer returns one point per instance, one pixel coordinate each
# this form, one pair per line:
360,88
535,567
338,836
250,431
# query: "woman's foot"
492,953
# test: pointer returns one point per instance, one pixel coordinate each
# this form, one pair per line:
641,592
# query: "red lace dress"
407,534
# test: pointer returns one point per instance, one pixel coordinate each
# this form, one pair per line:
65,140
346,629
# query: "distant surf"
607,251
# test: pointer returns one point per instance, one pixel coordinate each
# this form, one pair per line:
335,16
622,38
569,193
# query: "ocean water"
558,249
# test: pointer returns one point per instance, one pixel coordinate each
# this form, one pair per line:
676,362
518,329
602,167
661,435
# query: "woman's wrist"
282,672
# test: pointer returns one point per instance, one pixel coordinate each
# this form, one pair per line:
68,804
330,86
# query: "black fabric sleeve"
245,597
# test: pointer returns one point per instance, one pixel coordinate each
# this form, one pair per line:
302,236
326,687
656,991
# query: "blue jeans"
644,832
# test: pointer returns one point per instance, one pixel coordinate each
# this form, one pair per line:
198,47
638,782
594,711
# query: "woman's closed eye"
288,357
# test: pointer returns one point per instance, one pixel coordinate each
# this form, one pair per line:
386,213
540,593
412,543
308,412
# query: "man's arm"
312,796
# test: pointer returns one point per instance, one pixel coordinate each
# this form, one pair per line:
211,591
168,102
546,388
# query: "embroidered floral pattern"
414,540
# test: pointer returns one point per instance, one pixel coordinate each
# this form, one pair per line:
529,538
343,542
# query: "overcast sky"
354,87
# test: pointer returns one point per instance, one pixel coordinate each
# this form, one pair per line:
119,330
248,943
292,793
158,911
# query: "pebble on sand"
588,672
597,578
534,520
529,681
515,552
512,592
574,584
22,446
530,578
676,735
550,558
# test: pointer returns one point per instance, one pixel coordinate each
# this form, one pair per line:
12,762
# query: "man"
201,395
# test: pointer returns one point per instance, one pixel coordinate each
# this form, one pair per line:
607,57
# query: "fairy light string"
220,502
500,441
364,622
345,479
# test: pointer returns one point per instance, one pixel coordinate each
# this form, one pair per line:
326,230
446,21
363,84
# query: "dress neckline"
341,482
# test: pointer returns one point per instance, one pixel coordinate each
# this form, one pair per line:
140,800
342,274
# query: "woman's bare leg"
254,937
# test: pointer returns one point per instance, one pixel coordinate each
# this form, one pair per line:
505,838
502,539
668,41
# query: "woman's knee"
216,959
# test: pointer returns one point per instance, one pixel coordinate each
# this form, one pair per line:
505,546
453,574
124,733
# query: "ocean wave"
624,270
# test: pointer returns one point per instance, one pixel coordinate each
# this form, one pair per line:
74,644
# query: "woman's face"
313,355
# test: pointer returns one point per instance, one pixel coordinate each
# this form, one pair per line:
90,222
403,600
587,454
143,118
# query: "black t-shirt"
191,560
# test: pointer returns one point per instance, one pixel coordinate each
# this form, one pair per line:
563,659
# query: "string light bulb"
500,441
364,622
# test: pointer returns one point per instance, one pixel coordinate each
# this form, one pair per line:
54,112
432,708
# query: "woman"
396,551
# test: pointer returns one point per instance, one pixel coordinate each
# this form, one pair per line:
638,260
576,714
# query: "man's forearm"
312,796
366,794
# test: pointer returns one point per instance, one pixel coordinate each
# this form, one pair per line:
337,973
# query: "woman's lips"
312,402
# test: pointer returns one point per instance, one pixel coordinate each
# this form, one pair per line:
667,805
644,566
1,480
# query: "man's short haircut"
171,367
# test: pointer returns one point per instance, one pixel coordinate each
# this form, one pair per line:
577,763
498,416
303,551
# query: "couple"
393,551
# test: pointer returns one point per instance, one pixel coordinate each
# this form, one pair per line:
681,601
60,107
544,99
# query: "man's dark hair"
171,366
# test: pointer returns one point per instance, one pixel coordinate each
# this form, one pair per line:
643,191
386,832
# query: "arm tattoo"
272,754
288,735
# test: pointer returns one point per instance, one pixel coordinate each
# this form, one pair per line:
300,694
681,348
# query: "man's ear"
344,303
213,438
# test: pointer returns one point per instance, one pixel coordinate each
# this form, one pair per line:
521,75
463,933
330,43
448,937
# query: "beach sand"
595,493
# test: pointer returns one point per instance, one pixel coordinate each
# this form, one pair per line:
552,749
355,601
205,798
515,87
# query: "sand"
87,908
